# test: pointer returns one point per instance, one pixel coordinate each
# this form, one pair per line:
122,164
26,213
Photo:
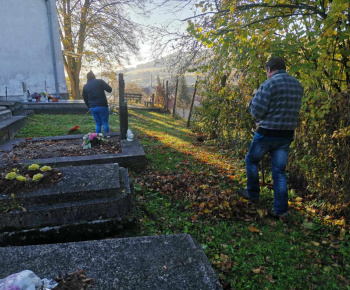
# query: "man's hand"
255,91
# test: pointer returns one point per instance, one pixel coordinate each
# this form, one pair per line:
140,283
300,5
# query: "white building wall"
25,49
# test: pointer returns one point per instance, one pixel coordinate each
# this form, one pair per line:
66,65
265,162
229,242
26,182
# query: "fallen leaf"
327,269
262,212
340,222
315,243
308,225
253,229
257,270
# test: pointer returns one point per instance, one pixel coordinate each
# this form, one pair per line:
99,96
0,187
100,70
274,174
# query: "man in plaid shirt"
275,106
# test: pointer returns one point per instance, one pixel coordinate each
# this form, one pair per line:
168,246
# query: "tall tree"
98,30
183,92
160,93
313,36
133,88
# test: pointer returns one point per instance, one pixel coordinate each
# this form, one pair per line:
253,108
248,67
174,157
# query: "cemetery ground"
190,187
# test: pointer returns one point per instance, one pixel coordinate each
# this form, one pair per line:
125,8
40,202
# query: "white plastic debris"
49,283
19,281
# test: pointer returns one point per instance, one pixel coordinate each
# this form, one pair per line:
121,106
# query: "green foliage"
313,37
160,94
223,114
183,92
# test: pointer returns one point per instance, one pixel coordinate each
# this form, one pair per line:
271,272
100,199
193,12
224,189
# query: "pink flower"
92,136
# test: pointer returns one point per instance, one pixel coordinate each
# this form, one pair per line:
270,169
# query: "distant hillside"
143,74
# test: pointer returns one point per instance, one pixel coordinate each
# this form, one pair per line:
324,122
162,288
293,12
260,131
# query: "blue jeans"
279,149
101,116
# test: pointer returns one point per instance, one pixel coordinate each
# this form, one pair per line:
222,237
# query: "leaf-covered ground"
190,187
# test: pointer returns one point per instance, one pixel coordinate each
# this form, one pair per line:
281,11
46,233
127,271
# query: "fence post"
194,95
123,109
166,96
177,83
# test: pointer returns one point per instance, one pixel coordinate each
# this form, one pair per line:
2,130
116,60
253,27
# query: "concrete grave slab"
132,155
61,107
85,194
160,262
5,114
12,119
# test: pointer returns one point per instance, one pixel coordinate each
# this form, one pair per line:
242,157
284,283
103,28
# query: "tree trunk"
72,66
75,90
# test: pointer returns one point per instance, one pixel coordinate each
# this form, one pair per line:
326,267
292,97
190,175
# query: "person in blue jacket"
95,99
275,106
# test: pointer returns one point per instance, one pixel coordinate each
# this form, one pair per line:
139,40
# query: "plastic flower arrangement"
37,177
33,167
11,175
92,139
21,178
45,168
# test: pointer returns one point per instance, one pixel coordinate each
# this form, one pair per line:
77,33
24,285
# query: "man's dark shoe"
282,216
243,193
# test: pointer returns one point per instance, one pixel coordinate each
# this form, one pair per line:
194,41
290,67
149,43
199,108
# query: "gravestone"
159,262
132,155
89,202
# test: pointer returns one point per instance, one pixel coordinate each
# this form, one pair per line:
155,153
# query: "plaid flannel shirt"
277,103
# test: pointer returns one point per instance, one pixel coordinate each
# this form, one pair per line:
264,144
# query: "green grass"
189,187
42,125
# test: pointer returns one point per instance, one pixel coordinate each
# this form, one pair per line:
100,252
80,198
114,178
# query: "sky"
159,16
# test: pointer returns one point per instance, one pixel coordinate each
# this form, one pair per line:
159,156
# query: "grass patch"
189,187
43,125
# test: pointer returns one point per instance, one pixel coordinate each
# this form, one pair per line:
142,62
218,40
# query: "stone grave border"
91,201
158,262
132,155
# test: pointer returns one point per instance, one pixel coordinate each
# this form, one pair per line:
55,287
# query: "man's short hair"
275,63
90,75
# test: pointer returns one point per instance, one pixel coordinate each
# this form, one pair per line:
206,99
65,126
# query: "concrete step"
15,107
5,114
85,193
9,127
13,120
